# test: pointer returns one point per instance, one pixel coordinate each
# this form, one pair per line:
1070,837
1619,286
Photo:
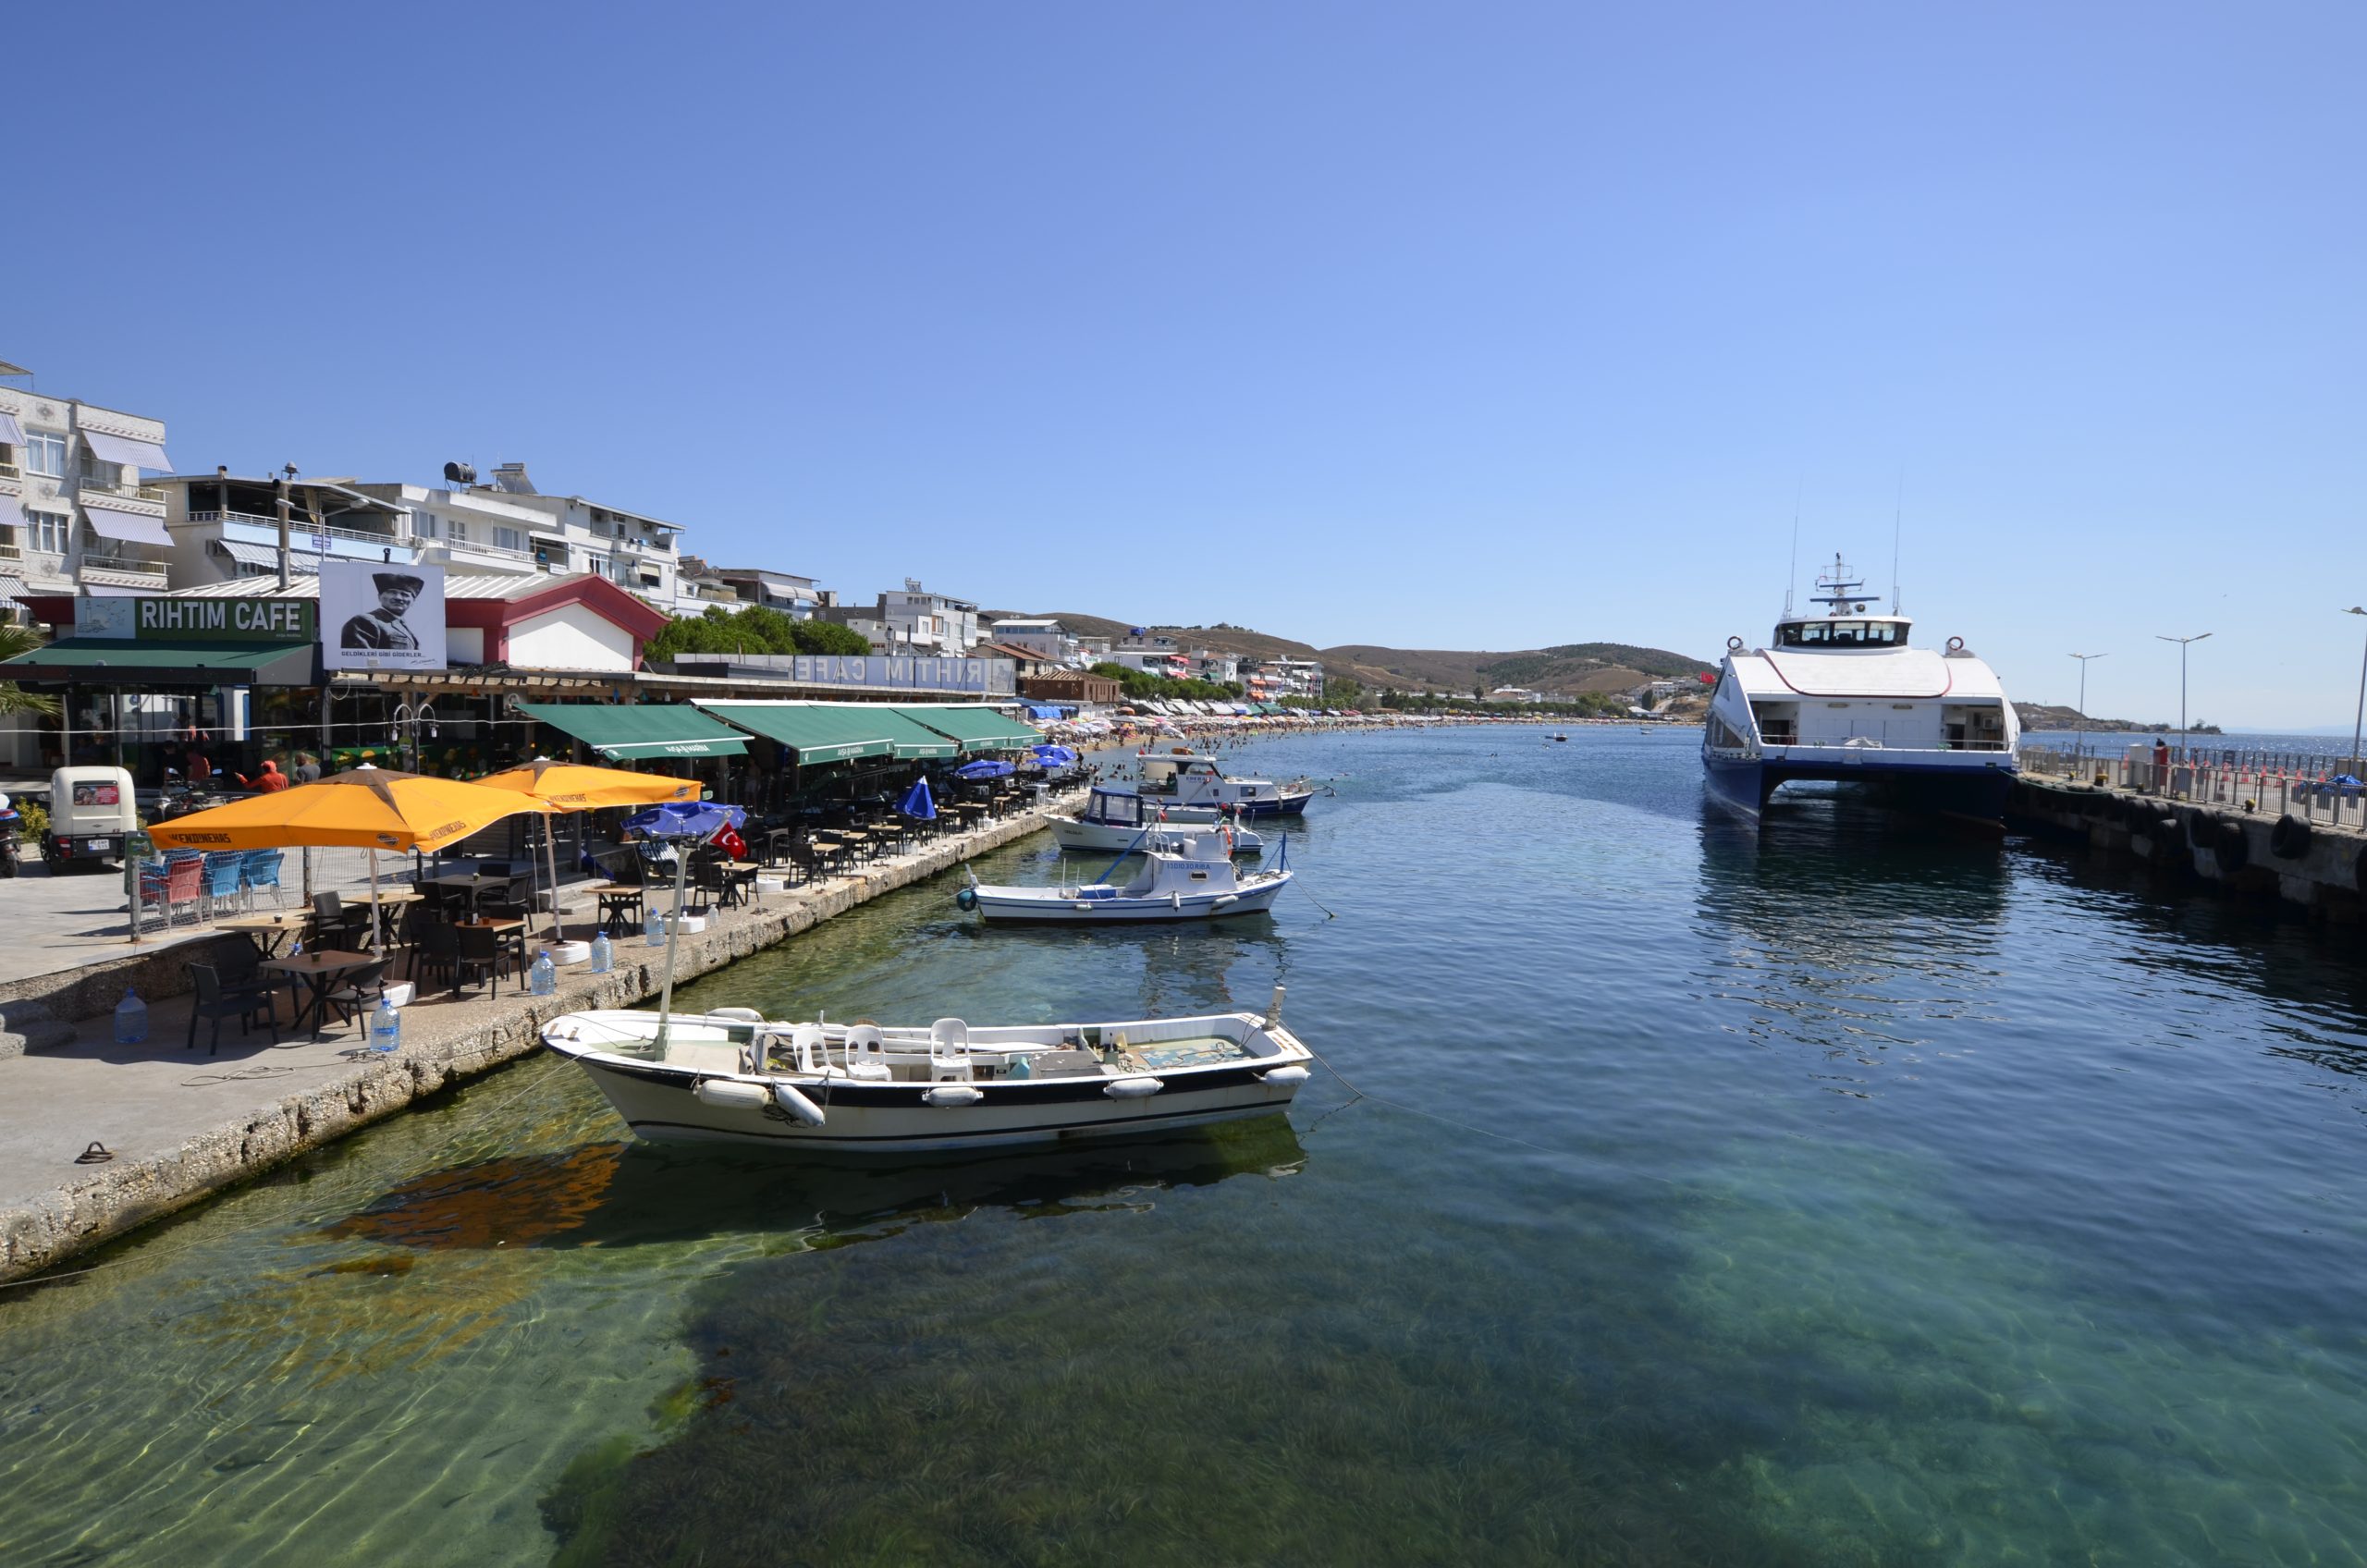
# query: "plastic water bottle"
653,930
604,954
386,1028
130,1018
542,980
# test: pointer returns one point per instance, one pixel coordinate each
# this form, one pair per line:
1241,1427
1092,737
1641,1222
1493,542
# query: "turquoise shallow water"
1848,1193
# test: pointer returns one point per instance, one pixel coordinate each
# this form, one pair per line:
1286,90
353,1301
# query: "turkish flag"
731,842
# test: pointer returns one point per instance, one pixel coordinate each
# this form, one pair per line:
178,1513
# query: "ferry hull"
1948,788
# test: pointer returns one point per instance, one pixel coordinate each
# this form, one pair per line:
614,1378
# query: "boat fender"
1224,899
2233,848
729,1094
2289,839
1132,1088
797,1105
1175,901
966,898
954,1093
1293,1073
2201,830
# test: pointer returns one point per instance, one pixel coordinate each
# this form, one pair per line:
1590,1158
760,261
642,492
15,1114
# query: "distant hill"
1571,668
2043,716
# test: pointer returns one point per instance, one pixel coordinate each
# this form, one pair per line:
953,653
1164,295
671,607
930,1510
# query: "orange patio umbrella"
568,786
363,808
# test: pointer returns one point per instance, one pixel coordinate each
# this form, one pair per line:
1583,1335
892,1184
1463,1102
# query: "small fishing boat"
1186,778
1115,817
1191,879
732,1076
1561,735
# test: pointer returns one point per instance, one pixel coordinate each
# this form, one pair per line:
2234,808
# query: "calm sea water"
1848,1193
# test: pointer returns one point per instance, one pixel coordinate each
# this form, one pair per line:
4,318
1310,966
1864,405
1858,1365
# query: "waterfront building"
76,514
1041,634
911,620
797,597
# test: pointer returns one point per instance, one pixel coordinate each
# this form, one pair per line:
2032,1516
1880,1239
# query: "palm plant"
15,641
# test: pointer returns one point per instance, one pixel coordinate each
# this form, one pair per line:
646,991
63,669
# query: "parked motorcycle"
9,823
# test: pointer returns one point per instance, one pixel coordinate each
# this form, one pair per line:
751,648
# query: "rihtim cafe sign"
136,617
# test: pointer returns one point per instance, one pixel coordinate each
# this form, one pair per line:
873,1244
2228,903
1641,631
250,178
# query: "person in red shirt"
270,780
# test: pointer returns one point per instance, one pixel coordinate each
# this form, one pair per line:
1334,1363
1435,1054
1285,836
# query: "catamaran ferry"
1842,696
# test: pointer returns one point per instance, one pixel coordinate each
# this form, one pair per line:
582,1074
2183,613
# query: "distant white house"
1515,694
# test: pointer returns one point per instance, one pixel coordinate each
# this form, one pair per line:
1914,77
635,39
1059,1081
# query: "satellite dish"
459,473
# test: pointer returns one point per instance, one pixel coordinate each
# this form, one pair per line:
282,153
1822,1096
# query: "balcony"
118,571
116,487
11,470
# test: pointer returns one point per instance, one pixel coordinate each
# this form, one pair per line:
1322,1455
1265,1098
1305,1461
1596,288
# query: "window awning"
128,451
132,528
977,729
1040,712
626,734
245,553
11,432
12,513
13,588
820,732
96,661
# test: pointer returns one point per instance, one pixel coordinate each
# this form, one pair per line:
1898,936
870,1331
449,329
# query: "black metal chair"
477,951
364,985
513,939
439,951
217,1002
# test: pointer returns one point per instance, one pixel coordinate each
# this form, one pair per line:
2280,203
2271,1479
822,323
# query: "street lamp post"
2083,660
2182,643
2361,712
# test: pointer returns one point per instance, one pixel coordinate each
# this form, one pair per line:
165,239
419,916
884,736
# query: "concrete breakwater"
172,1145
2315,866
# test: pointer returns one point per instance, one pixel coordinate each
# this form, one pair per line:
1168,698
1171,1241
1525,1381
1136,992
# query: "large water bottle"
652,929
386,1028
130,1018
542,980
604,954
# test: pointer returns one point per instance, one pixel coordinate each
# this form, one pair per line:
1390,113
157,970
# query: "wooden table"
320,971
267,931
474,884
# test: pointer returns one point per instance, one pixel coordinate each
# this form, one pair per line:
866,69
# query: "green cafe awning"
625,734
822,732
102,661
976,728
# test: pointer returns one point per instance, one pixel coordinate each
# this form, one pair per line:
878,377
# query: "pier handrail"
2276,782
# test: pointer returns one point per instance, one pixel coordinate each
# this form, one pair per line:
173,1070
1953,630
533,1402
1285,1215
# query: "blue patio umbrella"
686,819
985,767
699,820
1054,756
917,803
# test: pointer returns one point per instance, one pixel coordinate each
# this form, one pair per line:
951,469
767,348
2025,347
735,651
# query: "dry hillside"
1571,668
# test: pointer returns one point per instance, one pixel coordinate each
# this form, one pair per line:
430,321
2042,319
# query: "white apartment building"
1039,634
1273,679
914,621
75,515
797,597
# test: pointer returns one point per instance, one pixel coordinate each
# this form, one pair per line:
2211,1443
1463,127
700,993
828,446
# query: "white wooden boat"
733,1076
1115,819
1192,880
1186,778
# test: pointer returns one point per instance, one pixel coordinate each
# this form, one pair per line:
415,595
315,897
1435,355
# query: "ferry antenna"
1792,573
1897,513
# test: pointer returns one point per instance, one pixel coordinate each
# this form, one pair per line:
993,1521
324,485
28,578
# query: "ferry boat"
1841,696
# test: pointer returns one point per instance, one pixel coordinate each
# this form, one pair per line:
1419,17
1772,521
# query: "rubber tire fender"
2233,846
2289,839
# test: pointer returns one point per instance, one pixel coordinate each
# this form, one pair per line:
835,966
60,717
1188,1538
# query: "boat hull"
661,1102
1117,838
1006,907
1286,804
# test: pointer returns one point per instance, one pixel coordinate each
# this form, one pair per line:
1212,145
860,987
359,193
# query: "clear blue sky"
1448,326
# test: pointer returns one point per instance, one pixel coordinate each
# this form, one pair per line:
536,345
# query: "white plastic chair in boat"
949,1051
813,1055
867,1055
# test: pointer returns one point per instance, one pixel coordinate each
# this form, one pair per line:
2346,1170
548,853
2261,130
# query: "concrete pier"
182,1124
2310,863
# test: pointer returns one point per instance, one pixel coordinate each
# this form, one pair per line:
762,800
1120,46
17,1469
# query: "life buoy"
2289,839
1955,644
1734,645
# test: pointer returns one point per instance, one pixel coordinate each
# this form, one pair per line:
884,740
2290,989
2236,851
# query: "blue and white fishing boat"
1193,878
1841,696
1115,817
1188,778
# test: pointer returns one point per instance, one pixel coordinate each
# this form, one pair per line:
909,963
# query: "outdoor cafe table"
318,970
267,931
511,931
475,884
